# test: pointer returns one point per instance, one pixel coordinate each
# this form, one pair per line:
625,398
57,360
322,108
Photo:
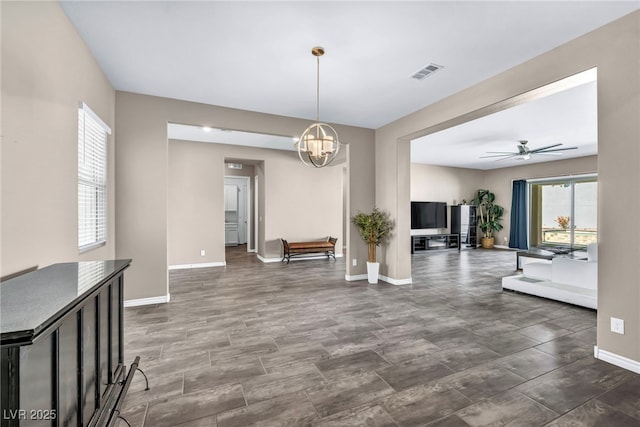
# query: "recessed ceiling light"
206,128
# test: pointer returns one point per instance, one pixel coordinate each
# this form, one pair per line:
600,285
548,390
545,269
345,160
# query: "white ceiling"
256,55
569,117
233,137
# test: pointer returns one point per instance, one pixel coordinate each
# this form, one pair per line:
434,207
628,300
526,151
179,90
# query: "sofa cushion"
537,270
575,272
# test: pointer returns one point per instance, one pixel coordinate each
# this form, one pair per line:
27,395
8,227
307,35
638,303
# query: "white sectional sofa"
570,280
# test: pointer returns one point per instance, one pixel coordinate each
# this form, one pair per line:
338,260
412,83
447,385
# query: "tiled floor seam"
636,417
312,404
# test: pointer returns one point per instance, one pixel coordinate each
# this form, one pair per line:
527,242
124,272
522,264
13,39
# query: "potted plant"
489,216
374,228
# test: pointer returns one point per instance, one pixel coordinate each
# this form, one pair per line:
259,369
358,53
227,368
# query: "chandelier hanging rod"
320,149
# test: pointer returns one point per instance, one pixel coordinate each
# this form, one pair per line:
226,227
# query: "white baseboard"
396,282
355,277
268,260
148,301
380,277
200,265
614,359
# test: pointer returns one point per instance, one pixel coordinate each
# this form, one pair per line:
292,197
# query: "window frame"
571,180
93,160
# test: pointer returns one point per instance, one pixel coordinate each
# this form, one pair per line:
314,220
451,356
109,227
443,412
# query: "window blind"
92,179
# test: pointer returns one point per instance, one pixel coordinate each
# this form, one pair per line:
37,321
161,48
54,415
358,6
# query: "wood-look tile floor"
274,344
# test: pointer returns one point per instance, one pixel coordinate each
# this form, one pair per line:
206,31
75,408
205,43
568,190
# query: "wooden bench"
328,247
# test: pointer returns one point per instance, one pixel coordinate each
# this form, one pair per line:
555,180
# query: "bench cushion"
311,245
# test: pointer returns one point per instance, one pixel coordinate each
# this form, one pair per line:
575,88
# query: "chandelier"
319,143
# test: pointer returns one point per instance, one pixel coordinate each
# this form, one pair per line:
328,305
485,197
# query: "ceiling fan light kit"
319,143
525,153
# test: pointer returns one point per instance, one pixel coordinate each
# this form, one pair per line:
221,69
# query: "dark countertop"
33,301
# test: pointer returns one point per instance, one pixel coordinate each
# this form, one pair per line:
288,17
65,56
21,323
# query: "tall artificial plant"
374,228
489,213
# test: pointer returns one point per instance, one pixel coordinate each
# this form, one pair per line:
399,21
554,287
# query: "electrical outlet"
354,262
202,252
617,326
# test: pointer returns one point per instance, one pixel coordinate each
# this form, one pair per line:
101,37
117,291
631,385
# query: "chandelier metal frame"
319,143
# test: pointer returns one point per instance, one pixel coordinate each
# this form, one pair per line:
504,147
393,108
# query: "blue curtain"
518,232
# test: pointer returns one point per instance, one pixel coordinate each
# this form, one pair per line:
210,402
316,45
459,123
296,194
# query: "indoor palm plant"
489,216
374,228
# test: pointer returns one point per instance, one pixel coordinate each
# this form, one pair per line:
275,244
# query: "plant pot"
372,271
487,242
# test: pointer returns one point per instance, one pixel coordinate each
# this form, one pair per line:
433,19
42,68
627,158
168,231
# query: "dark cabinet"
427,242
62,344
464,222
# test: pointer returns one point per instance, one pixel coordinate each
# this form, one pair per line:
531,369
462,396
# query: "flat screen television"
428,215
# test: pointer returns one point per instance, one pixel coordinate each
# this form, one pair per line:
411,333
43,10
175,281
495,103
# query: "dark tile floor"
273,344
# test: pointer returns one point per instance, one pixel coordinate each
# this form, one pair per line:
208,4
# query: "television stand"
427,242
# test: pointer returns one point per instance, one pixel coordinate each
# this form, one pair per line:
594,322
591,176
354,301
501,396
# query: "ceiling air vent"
426,71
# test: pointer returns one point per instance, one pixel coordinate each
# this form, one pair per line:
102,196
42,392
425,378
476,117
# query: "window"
92,179
564,212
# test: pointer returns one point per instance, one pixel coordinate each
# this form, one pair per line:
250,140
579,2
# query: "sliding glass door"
563,212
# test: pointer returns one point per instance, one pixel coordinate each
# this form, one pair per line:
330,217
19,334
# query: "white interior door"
241,215
256,217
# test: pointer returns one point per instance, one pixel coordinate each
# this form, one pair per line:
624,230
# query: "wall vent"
426,71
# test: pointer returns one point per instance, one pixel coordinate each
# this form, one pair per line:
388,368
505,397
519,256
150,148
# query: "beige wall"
46,72
142,182
615,50
444,184
301,203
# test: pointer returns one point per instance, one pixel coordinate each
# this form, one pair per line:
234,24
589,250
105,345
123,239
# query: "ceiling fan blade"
558,149
545,148
499,155
547,153
516,155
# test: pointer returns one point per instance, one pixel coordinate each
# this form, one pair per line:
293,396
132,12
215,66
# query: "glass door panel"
585,225
556,214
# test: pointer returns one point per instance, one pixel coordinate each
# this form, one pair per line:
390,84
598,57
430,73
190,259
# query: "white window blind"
92,179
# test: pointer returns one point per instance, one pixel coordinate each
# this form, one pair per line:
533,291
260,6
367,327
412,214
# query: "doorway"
237,210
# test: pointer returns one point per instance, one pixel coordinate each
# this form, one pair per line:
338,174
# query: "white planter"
372,271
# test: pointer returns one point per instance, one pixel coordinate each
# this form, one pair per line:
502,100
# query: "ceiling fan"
524,153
